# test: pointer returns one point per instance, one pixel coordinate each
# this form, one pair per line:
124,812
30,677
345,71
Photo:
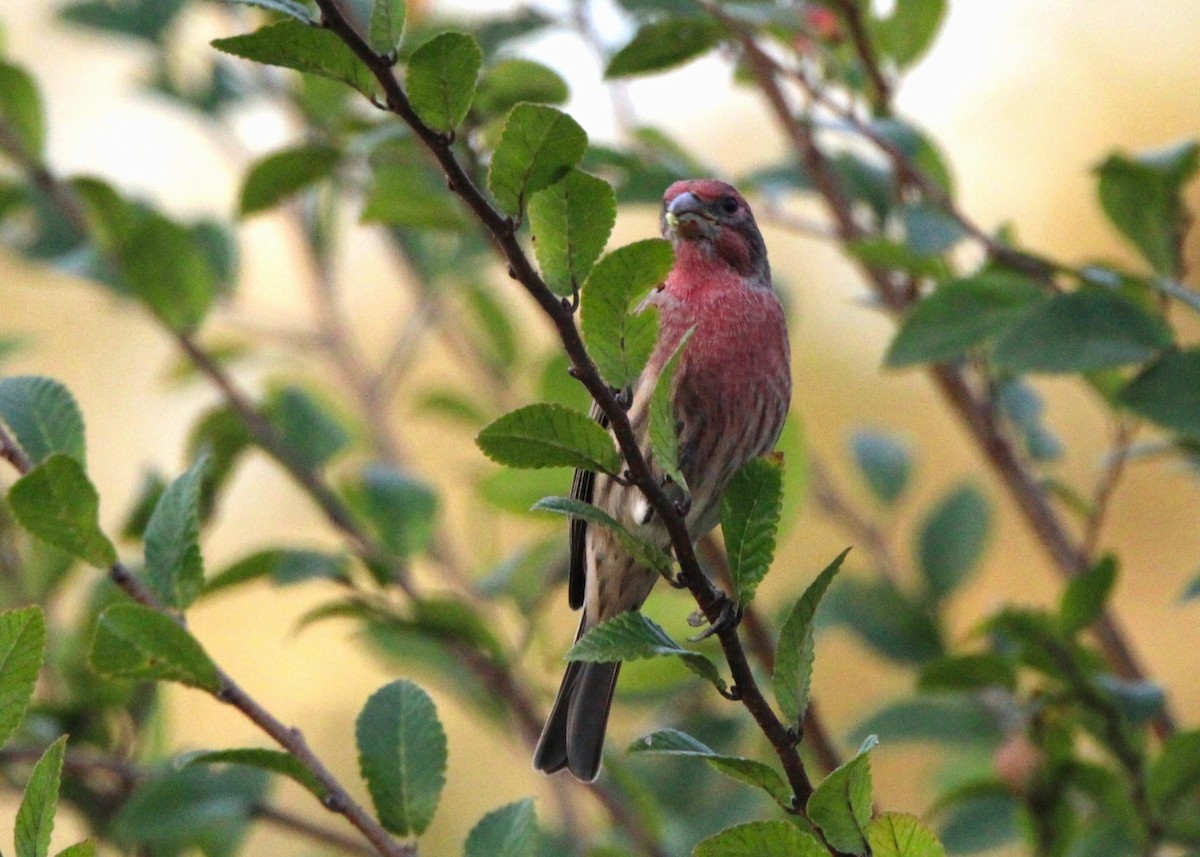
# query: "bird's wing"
583,488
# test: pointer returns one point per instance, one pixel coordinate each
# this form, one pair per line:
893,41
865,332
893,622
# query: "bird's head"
710,217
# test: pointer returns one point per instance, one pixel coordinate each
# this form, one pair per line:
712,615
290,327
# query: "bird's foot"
730,616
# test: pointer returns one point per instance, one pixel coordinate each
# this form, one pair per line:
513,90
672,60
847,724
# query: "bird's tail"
573,737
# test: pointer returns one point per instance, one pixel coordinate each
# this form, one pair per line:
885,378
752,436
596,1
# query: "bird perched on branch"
730,397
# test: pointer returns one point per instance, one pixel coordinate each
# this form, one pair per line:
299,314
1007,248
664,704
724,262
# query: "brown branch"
858,526
881,90
1107,485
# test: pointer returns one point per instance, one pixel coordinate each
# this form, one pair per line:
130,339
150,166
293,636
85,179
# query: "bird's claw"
729,617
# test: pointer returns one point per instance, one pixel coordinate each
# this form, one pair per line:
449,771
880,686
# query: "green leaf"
132,641
56,502
274,761
952,538
749,520
274,178
892,255
981,821
1085,596
630,636
545,435
284,566
841,805
387,26
22,646
664,433
142,19
571,221
308,429
536,148
895,834
401,506
43,416
174,567
312,50
1175,773
510,831
645,553
21,109
1192,590
1142,196
929,230
620,339
517,491
513,80
292,8
407,194
1081,331
918,148
886,618
165,268
907,34
968,672
949,719
496,333
87,848
441,79
402,756
794,653
760,839
664,44
960,315
35,816
884,462
1168,392
672,742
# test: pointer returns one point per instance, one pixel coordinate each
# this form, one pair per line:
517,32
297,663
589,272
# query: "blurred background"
1025,97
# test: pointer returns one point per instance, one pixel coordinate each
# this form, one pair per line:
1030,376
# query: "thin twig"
881,90
858,526
1114,468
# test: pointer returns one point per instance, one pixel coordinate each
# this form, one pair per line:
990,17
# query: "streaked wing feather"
583,488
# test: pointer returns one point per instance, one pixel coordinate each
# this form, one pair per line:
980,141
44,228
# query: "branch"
857,525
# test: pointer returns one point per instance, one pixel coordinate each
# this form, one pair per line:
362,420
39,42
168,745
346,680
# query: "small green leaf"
174,567
308,49
1175,773
1142,196
387,26
545,435
664,433
43,416
407,194
35,816
401,506
132,641
749,520
513,80
889,620
664,44
281,174
909,31
884,254
760,839
1081,331
284,566
620,339
56,502
87,848
841,805
884,462
794,653
645,553
1192,590
402,756
918,148
1085,596
929,230
517,491
630,636
306,425
571,222
1168,392
895,834
960,315
274,761
955,720
22,646
292,8
165,268
441,79
952,539
968,672
21,109
510,831
536,148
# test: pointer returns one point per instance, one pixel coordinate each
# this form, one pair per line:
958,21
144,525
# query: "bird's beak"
687,217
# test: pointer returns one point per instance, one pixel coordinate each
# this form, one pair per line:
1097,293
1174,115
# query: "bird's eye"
728,205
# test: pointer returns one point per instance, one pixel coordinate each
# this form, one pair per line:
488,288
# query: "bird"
730,397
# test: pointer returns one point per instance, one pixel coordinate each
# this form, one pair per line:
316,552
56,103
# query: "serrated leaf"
795,652
164,267
760,839
402,756
308,49
620,339
56,502
536,148
895,834
545,435
841,805
22,646
441,79
571,221
515,79
1175,773
951,540
883,461
630,636
43,416
645,553
960,315
664,44
663,430
174,566
387,26
35,816
21,109
274,761
1168,392
133,641
1081,331
1085,596
306,426
510,831
274,178
749,520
